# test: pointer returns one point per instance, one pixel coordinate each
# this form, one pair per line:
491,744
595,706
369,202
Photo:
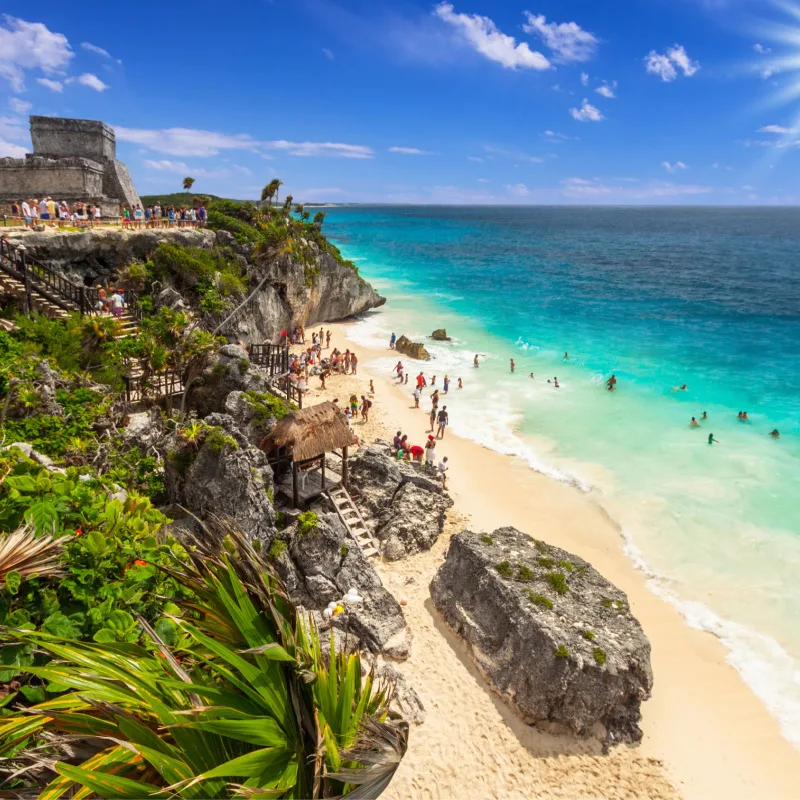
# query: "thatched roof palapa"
310,432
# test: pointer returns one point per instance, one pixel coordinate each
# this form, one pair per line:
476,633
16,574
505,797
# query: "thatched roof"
310,432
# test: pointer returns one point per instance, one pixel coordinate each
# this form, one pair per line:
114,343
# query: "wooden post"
322,459
344,467
27,279
295,498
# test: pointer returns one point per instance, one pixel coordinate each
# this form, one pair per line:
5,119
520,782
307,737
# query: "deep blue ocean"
660,297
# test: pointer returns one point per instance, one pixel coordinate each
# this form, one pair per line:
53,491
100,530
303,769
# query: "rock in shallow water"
553,637
411,349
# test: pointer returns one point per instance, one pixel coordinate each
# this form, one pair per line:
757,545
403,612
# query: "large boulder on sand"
553,637
401,503
411,349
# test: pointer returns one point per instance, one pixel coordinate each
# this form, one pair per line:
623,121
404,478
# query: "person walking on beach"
399,371
435,399
328,337
443,420
392,341
371,387
421,382
417,394
475,361
711,439
512,366
366,404
354,363
446,385
432,418
611,383
430,452
531,376
460,385
555,383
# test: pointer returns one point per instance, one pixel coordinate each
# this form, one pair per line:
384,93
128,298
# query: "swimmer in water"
705,416
775,434
611,383
695,423
512,366
711,439
745,418
566,356
681,388
475,361
531,376
555,383
460,385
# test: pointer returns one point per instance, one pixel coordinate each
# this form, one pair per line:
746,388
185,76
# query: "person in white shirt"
97,214
442,472
116,304
43,212
26,212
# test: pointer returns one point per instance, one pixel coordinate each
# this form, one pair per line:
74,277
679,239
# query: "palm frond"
21,551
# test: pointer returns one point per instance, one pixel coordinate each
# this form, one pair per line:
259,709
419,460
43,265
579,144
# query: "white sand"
705,734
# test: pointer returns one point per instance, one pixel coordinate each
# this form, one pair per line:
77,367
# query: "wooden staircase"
13,287
351,517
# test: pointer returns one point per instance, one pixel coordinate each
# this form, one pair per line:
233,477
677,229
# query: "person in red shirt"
417,452
421,382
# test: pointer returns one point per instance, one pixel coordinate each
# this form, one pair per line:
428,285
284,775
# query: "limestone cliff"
290,293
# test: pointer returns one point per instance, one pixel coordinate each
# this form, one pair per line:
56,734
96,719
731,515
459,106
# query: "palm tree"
244,704
187,184
319,218
305,215
287,203
268,192
277,183
298,209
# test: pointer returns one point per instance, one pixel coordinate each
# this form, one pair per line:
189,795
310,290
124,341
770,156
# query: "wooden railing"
271,358
155,386
57,289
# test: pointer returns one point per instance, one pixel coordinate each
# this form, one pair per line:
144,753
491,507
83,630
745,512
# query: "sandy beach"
706,735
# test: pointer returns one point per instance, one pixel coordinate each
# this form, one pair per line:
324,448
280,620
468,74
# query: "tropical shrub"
245,704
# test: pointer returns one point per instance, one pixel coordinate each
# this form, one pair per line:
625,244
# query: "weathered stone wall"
117,183
61,138
64,178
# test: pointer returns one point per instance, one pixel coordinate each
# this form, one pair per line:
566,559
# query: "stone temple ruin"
72,160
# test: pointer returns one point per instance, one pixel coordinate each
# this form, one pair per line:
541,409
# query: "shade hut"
304,437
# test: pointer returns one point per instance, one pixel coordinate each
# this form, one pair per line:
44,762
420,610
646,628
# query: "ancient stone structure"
72,160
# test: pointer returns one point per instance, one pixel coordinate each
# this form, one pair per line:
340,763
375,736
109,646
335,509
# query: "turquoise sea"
709,297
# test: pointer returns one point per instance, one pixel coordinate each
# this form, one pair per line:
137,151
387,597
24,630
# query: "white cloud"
192,142
518,190
92,81
483,180
511,152
759,48
53,86
410,151
19,106
93,48
775,129
568,41
182,168
9,150
585,78
665,65
482,34
14,129
607,89
30,45
678,165
554,137
587,112
328,53
596,188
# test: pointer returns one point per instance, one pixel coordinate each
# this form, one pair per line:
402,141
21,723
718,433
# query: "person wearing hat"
430,452
102,298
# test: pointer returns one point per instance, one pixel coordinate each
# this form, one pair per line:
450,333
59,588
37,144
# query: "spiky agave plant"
247,705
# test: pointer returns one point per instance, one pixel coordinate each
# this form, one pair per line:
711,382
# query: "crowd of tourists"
163,216
56,213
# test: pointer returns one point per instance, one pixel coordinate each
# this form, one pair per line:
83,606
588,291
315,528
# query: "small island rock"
411,349
440,335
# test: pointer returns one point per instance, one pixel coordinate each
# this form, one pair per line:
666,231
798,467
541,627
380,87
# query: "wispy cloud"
19,106
512,153
10,150
53,86
584,78
482,35
518,190
607,90
410,151
587,112
182,168
328,53
776,129
554,137
188,142
674,167
667,66
92,81
759,48
597,189
474,158
93,48
30,45
568,41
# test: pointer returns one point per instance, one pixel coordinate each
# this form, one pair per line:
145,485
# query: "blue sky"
577,101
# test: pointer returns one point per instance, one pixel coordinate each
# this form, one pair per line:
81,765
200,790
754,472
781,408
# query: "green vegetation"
524,573
344,549
545,562
540,600
561,651
558,582
241,701
504,568
307,523
276,548
541,546
588,635
173,199
616,605
567,566
486,539
599,655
